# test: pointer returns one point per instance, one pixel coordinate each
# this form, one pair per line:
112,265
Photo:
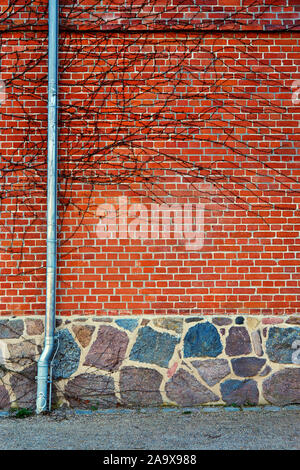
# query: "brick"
244,263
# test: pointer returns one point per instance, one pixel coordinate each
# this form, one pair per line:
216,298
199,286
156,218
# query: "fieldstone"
240,392
34,326
271,320
265,330
23,386
103,320
172,369
256,342
293,320
128,323
153,347
279,344
212,370
252,323
3,371
66,360
87,390
108,350
172,324
238,341
247,366
56,400
10,329
296,353
83,334
193,319
185,390
222,321
265,371
4,398
239,320
283,387
21,354
202,340
140,386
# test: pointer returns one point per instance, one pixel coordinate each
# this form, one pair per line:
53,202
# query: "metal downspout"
47,354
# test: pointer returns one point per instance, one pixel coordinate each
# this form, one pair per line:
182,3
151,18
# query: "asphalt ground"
149,430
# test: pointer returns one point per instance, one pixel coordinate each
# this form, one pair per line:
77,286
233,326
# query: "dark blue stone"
202,340
279,344
239,320
239,392
66,360
153,347
128,323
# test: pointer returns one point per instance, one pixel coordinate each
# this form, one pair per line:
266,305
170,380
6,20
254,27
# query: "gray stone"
87,390
140,386
10,329
193,319
23,386
185,390
128,323
238,341
279,344
4,398
222,321
202,340
172,324
83,334
292,407
271,408
108,350
103,319
283,387
34,326
3,371
247,366
256,341
153,347
66,360
212,370
21,354
211,409
240,392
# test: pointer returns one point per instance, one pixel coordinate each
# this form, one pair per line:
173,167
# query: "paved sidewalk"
207,428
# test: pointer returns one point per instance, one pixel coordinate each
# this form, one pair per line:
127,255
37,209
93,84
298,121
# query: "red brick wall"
206,117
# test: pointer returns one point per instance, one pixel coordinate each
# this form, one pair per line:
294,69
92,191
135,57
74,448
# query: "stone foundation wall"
154,361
